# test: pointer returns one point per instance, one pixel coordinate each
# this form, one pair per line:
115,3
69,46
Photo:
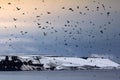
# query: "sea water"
61,75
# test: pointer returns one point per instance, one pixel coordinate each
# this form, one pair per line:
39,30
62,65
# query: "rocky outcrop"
15,63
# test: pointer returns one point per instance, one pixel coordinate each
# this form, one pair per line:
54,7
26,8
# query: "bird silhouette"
15,19
18,8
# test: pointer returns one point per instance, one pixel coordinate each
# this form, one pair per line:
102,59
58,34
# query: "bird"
77,7
63,7
71,9
45,33
101,31
48,12
9,3
108,14
15,19
103,6
18,8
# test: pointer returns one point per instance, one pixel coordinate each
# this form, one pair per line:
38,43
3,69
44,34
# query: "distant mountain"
38,62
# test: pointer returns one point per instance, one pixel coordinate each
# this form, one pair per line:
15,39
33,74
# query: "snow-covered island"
41,62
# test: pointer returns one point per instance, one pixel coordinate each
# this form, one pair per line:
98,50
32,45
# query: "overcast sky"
60,27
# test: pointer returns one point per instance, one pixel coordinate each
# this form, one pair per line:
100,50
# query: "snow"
64,62
103,62
78,62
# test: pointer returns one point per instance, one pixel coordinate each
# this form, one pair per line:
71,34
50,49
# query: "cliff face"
10,65
37,62
16,63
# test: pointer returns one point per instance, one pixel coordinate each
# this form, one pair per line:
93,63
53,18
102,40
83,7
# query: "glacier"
46,62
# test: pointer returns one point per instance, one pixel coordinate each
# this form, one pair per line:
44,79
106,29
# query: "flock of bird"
71,30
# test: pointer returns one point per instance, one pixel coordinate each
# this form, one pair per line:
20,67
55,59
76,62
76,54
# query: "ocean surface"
61,75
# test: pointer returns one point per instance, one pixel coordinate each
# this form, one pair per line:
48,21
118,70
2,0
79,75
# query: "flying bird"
18,8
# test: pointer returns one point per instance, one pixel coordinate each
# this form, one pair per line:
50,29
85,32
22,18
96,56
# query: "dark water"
62,75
